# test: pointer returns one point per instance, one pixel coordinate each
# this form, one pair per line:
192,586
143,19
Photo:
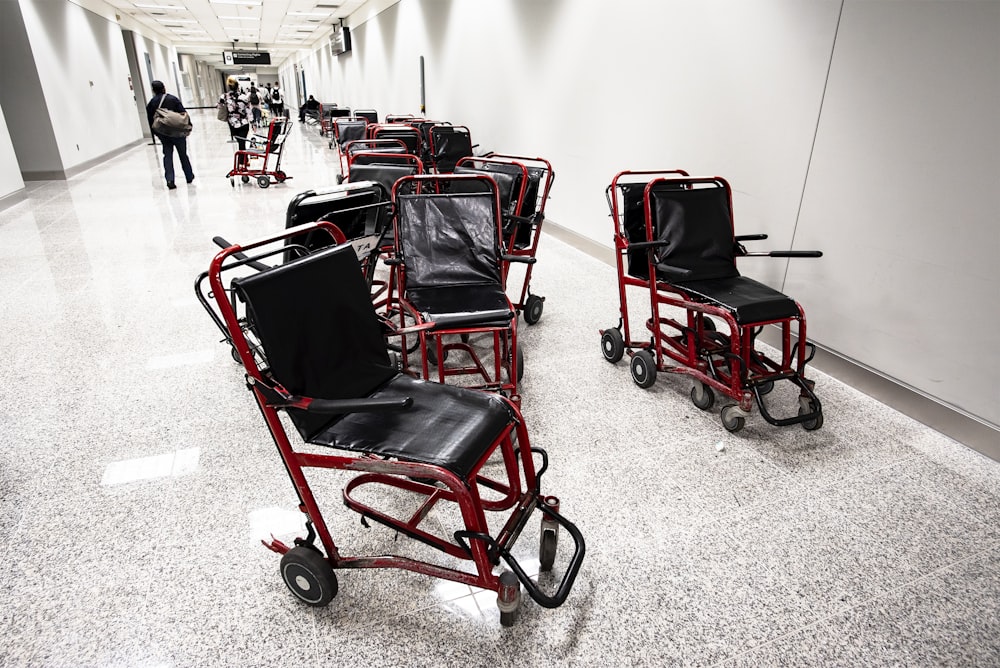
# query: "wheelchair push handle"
789,253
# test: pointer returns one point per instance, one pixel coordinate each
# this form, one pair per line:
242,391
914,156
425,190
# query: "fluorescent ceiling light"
176,20
144,6
308,13
255,3
240,18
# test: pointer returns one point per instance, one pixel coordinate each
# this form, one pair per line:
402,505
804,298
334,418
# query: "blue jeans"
169,144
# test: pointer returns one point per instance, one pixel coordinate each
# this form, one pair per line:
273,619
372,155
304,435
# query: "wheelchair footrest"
807,392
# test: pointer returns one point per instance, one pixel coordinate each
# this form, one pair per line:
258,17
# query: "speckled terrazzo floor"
136,478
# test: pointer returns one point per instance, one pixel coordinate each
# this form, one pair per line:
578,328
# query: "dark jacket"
171,103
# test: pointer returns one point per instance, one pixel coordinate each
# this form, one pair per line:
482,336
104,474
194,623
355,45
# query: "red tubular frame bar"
689,348
394,473
537,212
504,338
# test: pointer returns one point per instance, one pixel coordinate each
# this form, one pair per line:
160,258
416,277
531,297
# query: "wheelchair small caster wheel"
766,387
339,179
533,309
702,396
236,355
508,598
308,575
548,541
232,182
708,324
732,418
807,406
245,179
643,369
280,176
612,344
263,181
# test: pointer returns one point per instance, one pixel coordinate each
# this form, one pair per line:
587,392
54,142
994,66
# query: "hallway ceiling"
206,28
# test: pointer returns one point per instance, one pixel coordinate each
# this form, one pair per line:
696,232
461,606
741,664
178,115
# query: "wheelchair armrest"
338,406
796,253
750,237
639,245
524,259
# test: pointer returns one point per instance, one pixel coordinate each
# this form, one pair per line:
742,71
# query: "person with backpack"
277,102
255,105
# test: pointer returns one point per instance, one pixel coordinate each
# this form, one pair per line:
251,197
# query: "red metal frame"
685,349
534,210
504,338
517,458
241,159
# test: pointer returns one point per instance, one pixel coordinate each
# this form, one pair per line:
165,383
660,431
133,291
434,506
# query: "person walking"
162,98
277,102
255,105
239,113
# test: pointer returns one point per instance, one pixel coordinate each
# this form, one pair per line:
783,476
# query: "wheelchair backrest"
316,324
449,239
350,129
698,225
449,144
383,174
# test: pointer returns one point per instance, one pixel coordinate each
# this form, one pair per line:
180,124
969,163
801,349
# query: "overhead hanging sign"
246,57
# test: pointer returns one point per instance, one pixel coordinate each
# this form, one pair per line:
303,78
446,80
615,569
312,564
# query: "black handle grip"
796,253
750,237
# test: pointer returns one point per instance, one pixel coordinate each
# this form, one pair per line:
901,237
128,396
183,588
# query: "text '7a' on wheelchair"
674,237
323,361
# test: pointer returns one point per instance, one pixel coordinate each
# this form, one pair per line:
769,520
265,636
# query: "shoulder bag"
171,123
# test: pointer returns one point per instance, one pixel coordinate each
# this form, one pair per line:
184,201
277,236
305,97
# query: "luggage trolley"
450,278
524,213
262,160
402,439
674,237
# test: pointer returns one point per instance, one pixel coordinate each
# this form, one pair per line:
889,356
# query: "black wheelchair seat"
446,426
748,300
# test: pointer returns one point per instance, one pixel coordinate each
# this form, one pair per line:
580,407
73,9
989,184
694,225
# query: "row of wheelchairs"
323,318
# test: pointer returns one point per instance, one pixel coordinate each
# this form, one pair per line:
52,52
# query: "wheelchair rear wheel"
643,369
612,344
308,575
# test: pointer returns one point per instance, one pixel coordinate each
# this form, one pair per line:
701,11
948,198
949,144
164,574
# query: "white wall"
83,71
899,193
10,171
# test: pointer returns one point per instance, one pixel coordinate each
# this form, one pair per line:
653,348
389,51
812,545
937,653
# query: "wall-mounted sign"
246,57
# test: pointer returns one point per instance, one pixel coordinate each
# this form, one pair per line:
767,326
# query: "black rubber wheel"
308,575
245,179
232,182
612,344
263,181
547,550
339,179
731,419
809,407
432,357
766,387
508,618
643,369
280,176
236,356
533,309
702,396
709,324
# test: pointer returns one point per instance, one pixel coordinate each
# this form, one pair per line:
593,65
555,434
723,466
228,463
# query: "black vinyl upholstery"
450,144
350,130
748,300
356,213
322,339
451,255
